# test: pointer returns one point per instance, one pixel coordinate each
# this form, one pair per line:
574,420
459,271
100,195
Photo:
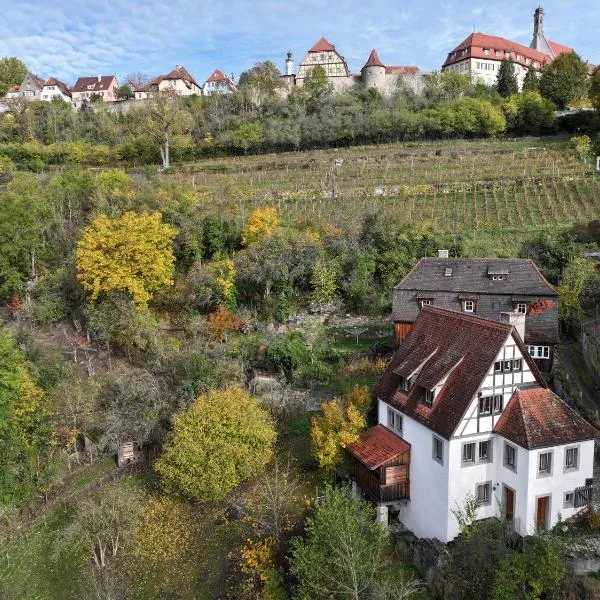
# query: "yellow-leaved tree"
339,425
261,224
222,439
132,253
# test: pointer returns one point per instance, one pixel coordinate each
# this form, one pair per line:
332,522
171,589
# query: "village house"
374,74
480,55
487,287
31,87
178,81
219,83
12,93
85,89
463,411
55,89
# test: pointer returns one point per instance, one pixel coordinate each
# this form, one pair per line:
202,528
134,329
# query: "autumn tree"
317,84
565,79
261,81
132,253
260,225
224,274
220,322
12,72
339,425
506,80
224,438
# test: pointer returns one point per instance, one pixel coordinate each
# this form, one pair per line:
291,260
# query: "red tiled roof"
218,76
322,46
81,85
373,60
401,70
477,42
559,49
63,87
538,418
448,344
377,446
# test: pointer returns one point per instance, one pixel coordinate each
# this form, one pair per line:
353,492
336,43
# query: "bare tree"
136,80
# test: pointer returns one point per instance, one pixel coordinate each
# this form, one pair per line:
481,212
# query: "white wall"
427,513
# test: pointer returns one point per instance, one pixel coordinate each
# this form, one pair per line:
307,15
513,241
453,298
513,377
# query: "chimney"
517,320
443,253
99,77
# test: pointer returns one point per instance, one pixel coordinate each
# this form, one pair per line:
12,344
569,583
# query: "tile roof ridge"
537,269
470,318
410,272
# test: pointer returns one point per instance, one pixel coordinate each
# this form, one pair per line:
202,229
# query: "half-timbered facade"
466,402
485,287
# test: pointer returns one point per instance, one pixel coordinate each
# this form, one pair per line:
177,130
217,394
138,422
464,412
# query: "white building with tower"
464,411
481,54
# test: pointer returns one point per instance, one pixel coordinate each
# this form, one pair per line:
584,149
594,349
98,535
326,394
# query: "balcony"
381,465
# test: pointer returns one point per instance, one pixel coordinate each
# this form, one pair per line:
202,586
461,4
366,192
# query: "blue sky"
67,38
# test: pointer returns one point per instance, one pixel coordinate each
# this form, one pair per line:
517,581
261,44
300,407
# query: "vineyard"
457,185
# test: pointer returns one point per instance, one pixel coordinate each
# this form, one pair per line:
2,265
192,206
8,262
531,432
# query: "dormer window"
469,306
498,277
448,272
90,87
426,302
522,308
404,383
428,397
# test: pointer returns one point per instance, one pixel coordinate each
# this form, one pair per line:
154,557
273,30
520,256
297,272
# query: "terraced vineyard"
458,185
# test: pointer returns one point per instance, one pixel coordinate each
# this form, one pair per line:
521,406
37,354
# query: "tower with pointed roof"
289,64
373,72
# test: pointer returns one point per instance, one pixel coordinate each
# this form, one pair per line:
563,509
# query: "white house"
178,81
219,83
463,410
54,89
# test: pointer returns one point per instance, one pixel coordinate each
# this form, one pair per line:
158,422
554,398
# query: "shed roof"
378,445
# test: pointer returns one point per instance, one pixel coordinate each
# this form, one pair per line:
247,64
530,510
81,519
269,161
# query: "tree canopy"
506,80
224,438
12,72
564,80
132,253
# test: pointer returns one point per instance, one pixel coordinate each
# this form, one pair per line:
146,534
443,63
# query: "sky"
68,39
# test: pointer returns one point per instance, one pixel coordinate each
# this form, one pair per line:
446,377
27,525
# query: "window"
469,306
468,453
404,383
507,366
522,308
510,456
394,420
485,451
490,405
486,51
498,366
428,397
569,500
572,458
497,277
438,450
448,272
426,303
484,492
517,365
545,463
539,351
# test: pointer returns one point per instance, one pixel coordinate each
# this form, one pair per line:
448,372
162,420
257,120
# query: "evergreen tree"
531,83
506,82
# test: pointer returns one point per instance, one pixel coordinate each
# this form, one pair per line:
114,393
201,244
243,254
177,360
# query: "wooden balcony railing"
583,496
370,485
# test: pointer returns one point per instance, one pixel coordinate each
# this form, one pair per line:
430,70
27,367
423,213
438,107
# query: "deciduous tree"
224,438
12,72
132,253
260,225
578,273
565,79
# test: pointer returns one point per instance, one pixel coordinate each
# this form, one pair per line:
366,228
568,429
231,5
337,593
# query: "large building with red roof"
373,75
219,83
480,54
464,412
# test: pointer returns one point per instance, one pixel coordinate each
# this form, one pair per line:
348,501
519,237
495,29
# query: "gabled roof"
408,70
462,348
377,446
538,418
180,72
218,76
559,49
373,60
472,275
322,46
475,44
101,84
63,87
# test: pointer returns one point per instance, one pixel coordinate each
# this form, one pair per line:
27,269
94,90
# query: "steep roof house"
31,88
178,81
54,89
486,287
102,86
219,83
463,410
480,55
